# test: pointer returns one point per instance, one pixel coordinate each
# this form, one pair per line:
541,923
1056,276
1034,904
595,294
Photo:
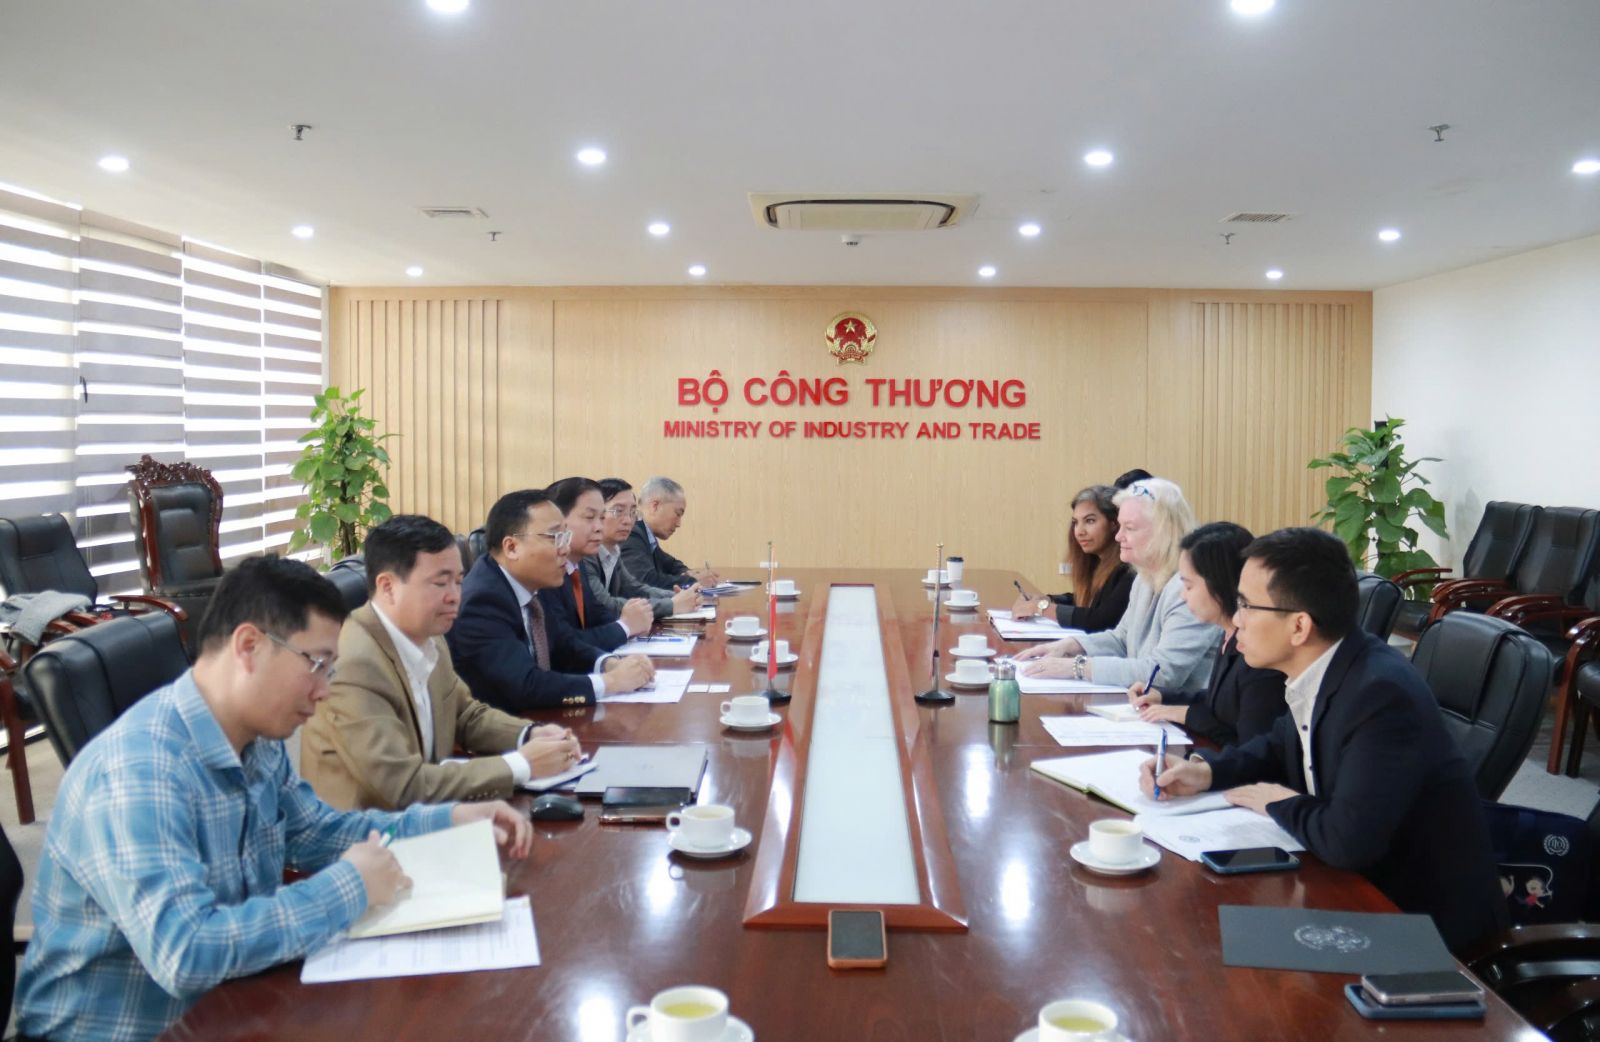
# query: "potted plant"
1374,499
341,466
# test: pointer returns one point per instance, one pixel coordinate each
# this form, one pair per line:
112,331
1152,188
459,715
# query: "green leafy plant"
341,467
1375,498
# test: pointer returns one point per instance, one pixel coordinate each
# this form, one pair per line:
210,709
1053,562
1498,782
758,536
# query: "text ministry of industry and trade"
785,391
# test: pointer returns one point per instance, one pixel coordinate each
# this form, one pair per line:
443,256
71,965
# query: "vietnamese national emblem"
850,337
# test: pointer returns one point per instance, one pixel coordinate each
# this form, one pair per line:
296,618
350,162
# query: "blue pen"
1148,684
1161,760
388,836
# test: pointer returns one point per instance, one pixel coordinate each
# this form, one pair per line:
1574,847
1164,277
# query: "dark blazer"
1239,703
1105,611
598,625
652,565
489,644
622,586
1396,800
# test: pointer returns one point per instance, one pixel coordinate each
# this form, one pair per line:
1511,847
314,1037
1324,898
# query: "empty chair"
176,509
1496,547
85,681
39,553
350,576
1378,601
1561,551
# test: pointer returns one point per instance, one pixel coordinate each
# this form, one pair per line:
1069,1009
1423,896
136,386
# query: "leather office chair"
176,509
1377,602
477,544
10,890
1490,679
1556,565
1496,547
85,681
350,576
40,553
469,556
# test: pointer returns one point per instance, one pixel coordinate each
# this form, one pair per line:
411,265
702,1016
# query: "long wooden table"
619,917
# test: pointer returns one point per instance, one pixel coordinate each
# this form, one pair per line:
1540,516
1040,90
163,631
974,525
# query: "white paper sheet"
1235,828
1028,629
1114,777
705,614
1122,712
508,942
660,645
668,686
1091,730
1064,685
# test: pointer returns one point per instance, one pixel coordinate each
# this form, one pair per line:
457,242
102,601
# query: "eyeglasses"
1139,488
320,667
561,539
621,511
1245,605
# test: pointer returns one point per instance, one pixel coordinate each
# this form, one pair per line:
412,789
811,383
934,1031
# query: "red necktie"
577,595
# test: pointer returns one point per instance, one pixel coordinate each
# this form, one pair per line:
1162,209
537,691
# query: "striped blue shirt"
162,873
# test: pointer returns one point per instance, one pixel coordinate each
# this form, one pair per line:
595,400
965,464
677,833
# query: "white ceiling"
1320,108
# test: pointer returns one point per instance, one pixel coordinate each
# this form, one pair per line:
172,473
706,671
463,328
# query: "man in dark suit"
661,506
1360,770
607,579
583,506
512,652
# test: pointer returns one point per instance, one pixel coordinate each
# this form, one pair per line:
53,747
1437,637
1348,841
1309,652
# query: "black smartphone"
856,940
623,805
1414,989
1428,1011
1249,859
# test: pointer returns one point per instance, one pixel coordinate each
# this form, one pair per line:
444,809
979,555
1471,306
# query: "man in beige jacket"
397,709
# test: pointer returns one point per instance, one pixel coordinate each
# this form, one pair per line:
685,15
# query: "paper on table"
455,880
1114,777
726,588
550,781
1122,712
668,686
705,614
663,645
1235,828
1028,629
1063,685
506,943
1089,730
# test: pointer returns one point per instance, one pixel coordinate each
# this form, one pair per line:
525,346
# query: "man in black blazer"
661,506
582,505
513,653
607,579
1360,770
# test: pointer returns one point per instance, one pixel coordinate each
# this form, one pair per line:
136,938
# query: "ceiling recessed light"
1251,7
986,272
1582,166
449,6
1028,231
1390,235
302,231
591,156
697,270
1099,157
1274,274
659,228
114,164
414,271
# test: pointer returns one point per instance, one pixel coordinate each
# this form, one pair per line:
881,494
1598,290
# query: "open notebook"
455,881
1114,777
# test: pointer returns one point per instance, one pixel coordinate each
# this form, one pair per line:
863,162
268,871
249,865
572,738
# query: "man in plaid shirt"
162,873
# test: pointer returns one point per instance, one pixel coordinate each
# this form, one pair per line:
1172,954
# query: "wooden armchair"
176,509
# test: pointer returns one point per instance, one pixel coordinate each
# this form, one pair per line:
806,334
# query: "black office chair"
176,510
10,890
1377,601
83,682
1490,679
477,544
1496,547
1558,562
350,576
39,553
469,555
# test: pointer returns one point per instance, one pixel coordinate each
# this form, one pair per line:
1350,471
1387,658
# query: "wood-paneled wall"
1228,393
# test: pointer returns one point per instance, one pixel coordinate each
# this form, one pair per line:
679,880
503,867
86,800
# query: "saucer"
795,596
971,685
783,660
930,584
737,1031
756,635
954,606
1032,1035
739,840
985,653
1149,855
772,720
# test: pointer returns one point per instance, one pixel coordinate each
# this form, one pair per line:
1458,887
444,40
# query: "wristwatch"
1043,605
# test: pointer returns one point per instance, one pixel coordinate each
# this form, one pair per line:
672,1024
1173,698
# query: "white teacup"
963,598
708,826
1115,841
687,1014
954,567
747,709
1075,1020
973,644
938,575
744,625
759,652
783,587
972,671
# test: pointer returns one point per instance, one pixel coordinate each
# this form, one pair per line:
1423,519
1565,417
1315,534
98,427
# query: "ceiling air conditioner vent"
452,211
1254,217
826,212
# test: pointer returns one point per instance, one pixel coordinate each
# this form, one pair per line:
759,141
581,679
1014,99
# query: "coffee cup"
954,566
1115,841
973,644
963,598
748,709
972,671
744,625
759,652
706,826
1076,1020
687,1014
937,575
783,587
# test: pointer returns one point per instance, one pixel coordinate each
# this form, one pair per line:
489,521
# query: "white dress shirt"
610,557
525,595
1301,694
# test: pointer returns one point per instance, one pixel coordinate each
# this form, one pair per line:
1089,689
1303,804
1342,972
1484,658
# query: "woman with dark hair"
1101,581
1240,702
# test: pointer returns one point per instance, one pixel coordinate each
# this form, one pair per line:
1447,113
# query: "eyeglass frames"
320,667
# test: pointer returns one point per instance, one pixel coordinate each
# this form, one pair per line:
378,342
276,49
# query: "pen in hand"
1161,760
1020,591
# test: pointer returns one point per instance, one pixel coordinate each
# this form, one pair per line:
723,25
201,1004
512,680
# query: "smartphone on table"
856,939
1249,859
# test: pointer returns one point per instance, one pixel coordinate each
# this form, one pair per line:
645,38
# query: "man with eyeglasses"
512,652
583,508
162,870
606,575
1360,770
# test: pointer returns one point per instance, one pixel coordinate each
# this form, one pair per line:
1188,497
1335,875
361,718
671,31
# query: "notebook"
1114,777
1330,942
455,881
644,766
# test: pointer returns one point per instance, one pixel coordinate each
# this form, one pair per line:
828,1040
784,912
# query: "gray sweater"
1155,629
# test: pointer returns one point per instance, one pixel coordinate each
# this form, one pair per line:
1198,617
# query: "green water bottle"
1005,697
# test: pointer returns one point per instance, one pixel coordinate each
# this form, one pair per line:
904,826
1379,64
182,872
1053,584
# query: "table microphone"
935,695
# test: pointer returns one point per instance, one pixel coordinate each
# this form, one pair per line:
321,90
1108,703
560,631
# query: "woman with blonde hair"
1101,582
1157,629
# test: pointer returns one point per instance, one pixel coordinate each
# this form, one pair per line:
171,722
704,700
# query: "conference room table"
620,917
